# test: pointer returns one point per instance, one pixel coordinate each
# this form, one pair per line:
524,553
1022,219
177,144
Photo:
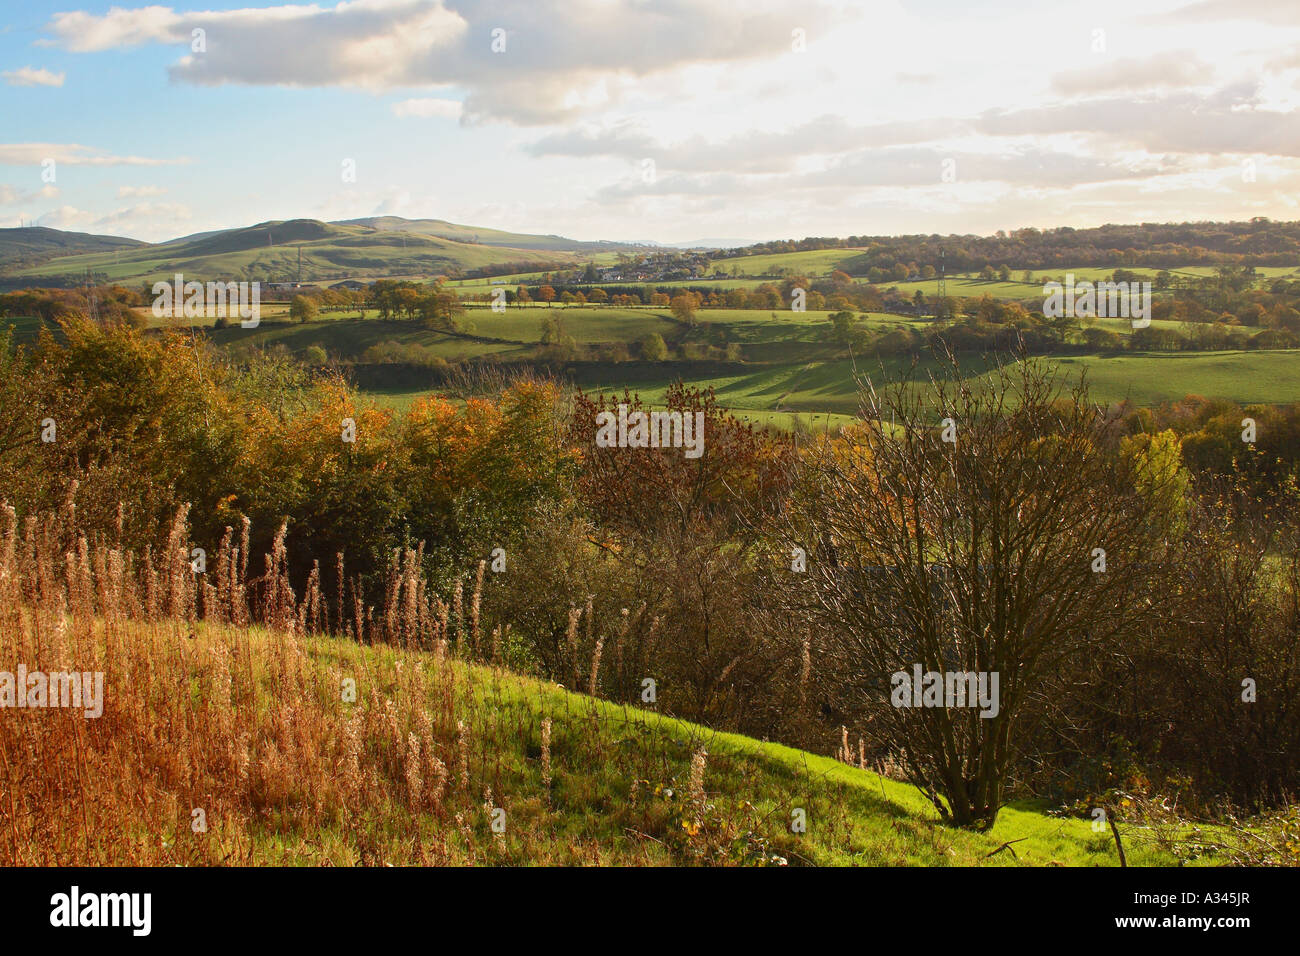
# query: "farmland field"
788,365
1143,378
813,262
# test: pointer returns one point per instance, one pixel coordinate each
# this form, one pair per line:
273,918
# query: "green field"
813,262
1266,377
619,784
824,393
349,338
588,325
788,368
755,271
1271,377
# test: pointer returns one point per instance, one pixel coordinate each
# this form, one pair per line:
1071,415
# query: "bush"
652,348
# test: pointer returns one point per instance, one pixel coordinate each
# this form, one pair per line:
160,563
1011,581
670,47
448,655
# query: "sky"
666,120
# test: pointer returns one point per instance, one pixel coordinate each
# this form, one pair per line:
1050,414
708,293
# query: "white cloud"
1170,70
11,195
355,203
397,204
30,76
139,192
66,217
1282,12
148,212
428,108
149,221
748,137
84,32
1024,167
1229,120
750,151
559,56
72,154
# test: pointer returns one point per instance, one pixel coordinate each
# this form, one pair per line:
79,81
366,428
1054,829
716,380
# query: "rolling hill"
574,780
270,251
33,245
477,235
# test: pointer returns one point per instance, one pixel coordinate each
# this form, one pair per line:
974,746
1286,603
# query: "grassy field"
419,257
813,262
586,325
858,817
755,271
824,394
401,399
614,787
1271,377
789,366
481,285
1143,378
348,338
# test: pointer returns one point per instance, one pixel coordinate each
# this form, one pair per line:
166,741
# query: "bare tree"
974,526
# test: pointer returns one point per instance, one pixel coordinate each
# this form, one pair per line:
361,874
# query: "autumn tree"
842,324
683,528
971,526
683,306
440,308
652,347
302,309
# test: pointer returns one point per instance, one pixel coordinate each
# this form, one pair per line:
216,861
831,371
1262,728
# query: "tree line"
1131,575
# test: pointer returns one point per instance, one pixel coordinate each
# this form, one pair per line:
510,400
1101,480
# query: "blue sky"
668,120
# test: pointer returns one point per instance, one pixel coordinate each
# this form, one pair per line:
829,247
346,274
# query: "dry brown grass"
209,722
251,730
230,732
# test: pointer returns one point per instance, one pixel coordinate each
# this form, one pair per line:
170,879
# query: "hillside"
1258,242
415,770
441,229
33,245
270,251
392,246
786,365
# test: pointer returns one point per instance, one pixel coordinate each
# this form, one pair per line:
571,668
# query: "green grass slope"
270,250
33,245
478,234
1145,378
811,262
620,776
789,364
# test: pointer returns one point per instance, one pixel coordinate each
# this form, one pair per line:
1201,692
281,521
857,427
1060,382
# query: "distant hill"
1259,242
481,236
391,246
698,244
277,250
33,245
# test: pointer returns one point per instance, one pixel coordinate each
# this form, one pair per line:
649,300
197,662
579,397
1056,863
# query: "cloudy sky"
650,119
